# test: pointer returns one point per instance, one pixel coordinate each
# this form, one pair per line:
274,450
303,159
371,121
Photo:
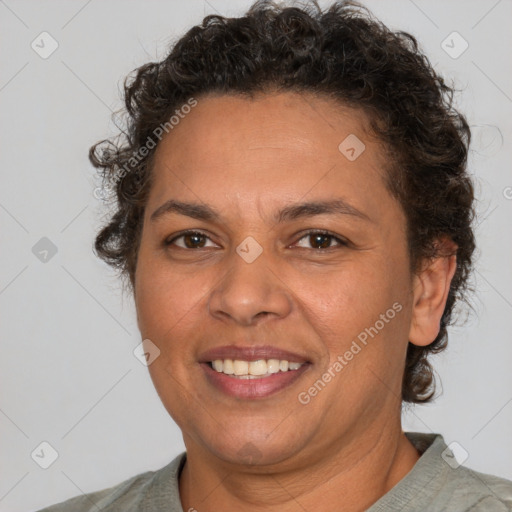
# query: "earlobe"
430,293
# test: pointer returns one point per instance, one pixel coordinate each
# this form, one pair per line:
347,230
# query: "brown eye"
194,240
190,240
320,240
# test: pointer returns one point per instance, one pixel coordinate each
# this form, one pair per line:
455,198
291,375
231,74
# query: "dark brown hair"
342,53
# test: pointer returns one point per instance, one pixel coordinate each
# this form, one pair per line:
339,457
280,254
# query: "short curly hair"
342,53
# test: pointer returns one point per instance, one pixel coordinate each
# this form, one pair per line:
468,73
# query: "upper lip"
250,353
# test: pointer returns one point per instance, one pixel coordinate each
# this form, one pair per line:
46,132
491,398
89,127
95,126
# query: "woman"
294,218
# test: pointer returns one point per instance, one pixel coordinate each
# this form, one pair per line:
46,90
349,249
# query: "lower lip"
252,388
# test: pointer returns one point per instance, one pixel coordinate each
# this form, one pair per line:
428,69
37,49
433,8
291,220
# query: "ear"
430,292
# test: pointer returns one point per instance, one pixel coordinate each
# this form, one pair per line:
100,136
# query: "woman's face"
251,284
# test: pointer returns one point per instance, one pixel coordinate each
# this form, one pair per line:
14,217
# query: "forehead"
284,145
279,120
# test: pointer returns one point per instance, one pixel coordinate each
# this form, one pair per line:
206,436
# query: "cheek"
348,298
366,302
365,351
164,298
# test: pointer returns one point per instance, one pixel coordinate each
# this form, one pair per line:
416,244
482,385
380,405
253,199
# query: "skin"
248,159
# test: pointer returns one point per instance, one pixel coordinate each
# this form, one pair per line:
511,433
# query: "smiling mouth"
261,368
252,371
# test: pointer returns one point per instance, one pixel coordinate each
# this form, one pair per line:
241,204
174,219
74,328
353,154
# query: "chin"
247,447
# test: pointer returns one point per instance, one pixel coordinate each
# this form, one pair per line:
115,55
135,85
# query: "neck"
354,474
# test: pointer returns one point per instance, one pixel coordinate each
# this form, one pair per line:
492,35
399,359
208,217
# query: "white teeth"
253,369
228,367
273,365
240,367
258,367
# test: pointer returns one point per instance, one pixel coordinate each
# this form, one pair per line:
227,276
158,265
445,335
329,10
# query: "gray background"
69,376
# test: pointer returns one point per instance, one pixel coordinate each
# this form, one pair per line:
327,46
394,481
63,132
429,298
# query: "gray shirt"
436,483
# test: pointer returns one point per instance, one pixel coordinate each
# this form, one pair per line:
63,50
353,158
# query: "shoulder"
119,497
139,492
458,487
481,492
438,483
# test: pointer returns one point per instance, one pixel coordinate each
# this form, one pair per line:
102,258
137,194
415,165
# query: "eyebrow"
309,209
195,210
205,212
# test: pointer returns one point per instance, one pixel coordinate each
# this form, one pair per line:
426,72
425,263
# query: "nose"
250,293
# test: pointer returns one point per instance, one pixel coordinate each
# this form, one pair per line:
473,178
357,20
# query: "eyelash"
341,242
